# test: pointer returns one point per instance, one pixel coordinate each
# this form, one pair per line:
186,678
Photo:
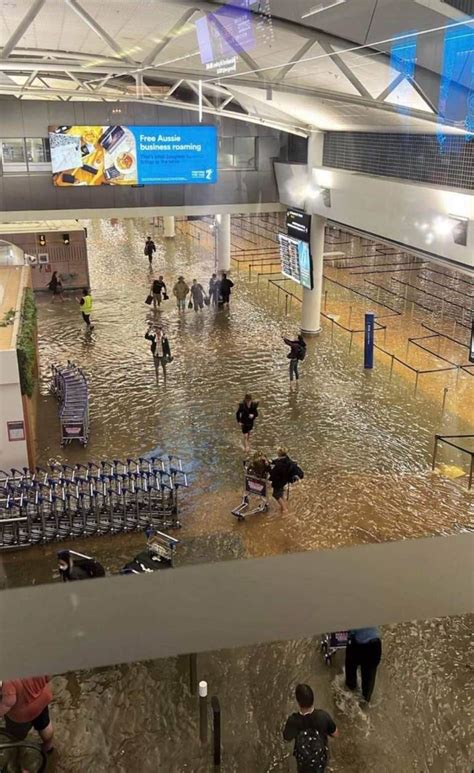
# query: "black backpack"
311,752
301,354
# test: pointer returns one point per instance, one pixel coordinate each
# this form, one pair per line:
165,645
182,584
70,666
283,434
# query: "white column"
223,242
168,226
311,311
311,308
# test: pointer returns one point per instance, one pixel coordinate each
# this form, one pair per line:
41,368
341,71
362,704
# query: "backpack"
295,472
301,352
311,752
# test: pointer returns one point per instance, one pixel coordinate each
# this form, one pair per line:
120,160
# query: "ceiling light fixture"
322,7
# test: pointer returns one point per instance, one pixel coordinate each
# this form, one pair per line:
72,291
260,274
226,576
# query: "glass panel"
13,155
244,152
37,152
226,152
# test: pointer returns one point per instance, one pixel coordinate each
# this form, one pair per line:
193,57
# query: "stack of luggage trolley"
90,499
69,385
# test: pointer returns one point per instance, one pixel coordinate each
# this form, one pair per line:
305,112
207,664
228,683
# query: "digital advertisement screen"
296,261
133,155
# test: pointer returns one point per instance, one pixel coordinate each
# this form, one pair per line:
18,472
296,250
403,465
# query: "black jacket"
284,470
150,247
158,286
244,411
295,348
165,344
225,286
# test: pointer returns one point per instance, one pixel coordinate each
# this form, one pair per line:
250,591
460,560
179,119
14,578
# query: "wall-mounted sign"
133,155
298,224
296,262
16,430
43,258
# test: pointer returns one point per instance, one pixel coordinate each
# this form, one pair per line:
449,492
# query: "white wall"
405,212
12,453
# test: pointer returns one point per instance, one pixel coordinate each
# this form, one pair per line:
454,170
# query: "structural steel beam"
101,33
342,66
168,37
281,74
54,628
391,87
25,23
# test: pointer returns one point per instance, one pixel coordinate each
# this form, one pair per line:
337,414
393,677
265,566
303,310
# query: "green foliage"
26,345
8,318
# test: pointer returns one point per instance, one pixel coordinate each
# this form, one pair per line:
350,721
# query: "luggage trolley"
254,485
331,642
69,386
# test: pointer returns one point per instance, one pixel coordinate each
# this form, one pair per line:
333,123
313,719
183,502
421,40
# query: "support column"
168,226
311,311
311,308
223,242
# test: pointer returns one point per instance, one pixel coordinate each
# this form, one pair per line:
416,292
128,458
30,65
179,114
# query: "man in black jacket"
283,471
310,729
149,249
225,287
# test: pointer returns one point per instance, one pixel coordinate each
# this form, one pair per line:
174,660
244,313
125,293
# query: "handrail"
26,745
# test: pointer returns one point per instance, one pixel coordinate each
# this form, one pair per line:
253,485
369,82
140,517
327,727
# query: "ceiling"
334,69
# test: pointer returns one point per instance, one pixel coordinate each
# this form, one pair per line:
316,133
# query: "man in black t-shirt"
309,728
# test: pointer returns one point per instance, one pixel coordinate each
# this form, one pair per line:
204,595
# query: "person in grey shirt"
364,650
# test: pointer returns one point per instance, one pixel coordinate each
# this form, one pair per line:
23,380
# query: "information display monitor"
133,155
298,224
296,261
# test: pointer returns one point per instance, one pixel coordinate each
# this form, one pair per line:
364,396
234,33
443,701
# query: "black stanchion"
193,681
216,730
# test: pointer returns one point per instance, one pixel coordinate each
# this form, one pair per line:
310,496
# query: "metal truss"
120,77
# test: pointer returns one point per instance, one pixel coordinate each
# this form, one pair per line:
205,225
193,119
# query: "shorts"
278,493
86,318
20,730
246,428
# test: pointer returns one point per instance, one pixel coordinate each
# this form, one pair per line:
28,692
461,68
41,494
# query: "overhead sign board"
296,262
298,224
133,155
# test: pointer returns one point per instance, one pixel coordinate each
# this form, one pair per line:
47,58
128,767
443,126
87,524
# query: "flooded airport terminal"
236,387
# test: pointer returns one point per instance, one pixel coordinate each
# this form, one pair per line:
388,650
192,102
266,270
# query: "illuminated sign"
298,224
233,29
296,262
133,155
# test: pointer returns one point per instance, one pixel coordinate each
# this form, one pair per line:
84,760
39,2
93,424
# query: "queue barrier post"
216,731
193,681
203,711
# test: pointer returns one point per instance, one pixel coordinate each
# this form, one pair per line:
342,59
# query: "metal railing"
21,755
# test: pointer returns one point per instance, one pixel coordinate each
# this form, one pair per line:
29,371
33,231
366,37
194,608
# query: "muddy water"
364,441
365,444
417,720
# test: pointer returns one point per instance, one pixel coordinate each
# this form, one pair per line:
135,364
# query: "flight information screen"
296,261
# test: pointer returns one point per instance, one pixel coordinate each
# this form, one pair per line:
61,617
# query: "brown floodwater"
365,442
